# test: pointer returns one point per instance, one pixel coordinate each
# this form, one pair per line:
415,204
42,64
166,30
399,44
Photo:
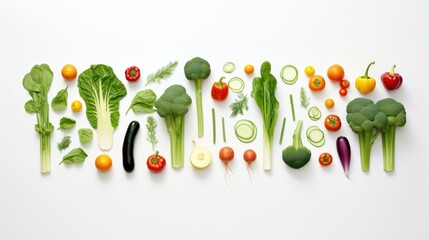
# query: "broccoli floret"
173,106
198,69
297,155
367,121
396,117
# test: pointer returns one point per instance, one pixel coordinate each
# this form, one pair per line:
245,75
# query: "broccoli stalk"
173,106
367,121
198,69
396,117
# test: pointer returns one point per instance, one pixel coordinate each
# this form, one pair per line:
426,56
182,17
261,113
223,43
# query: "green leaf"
143,102
59,102
29,107
85,135
162,73
76,155
67,123
64,144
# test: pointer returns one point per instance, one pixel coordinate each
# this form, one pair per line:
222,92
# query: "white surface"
77,202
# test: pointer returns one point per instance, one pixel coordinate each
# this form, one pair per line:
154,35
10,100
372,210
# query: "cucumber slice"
315,136
314,113
229,67
289,74
245,130
236,84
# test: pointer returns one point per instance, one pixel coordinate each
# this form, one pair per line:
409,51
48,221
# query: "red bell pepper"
220,90
391,80
156,162
132,74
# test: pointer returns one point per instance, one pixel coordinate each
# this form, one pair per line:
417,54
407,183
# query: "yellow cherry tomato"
103,162
329,103
76,106
309,71
249,69
69,72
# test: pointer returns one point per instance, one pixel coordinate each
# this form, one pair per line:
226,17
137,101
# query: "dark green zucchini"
128,147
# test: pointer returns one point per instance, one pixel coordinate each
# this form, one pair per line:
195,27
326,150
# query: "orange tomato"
69,72
103,162
316,83
329,103
336,72
249,69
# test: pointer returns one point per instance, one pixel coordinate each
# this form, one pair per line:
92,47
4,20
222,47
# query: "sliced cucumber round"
314,113
245,130
229,67
315,136
289,74
236,85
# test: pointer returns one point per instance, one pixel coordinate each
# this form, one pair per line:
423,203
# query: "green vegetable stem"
38,82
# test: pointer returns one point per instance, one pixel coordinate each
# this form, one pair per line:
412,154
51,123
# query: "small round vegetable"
289,74
156,162
314,113
316,83
229,67
336,72
249,69
309,71
200,157
76,106
103,162
329,103
226,154
249,156
69,72
325,159
343,92
332,122
132,73
345,83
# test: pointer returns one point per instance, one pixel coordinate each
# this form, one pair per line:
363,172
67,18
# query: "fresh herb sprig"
151,125
64,144
239,105
305,100
162,73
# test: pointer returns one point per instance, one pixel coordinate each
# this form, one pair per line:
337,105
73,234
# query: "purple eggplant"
344,153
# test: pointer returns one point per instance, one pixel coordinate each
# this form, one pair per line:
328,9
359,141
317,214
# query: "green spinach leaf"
59,102
85,135
143,102
67,123
77,155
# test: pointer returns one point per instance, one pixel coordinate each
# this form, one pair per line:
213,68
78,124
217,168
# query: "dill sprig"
151,131
64,144
239,105
162,73
305,100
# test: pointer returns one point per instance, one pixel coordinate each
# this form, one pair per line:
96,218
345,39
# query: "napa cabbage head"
102,91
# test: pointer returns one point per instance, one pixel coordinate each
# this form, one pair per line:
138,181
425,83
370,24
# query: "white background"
78,202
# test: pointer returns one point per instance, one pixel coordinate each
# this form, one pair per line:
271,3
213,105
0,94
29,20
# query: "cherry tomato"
325,159
316,83
332,122
345,83
103,163
329,103
69,72
76,106
156,162
249,69
343,92
309,71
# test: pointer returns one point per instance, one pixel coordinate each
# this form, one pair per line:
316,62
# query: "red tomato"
343,92
325,159
333,122
345,83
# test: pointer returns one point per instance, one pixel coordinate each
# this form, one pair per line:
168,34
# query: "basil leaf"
59,102
76,155
85,135
67,123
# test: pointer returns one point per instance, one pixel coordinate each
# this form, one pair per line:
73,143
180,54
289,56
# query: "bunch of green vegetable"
198,69
102,91
263,91
173,106
38,82
296,155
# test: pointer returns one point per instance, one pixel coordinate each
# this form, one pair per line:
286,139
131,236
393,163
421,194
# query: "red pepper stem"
155,157
392,72
367,69
220,83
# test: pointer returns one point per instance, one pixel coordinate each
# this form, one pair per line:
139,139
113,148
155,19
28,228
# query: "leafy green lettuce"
102,91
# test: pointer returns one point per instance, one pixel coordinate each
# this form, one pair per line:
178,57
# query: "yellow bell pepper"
365,84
